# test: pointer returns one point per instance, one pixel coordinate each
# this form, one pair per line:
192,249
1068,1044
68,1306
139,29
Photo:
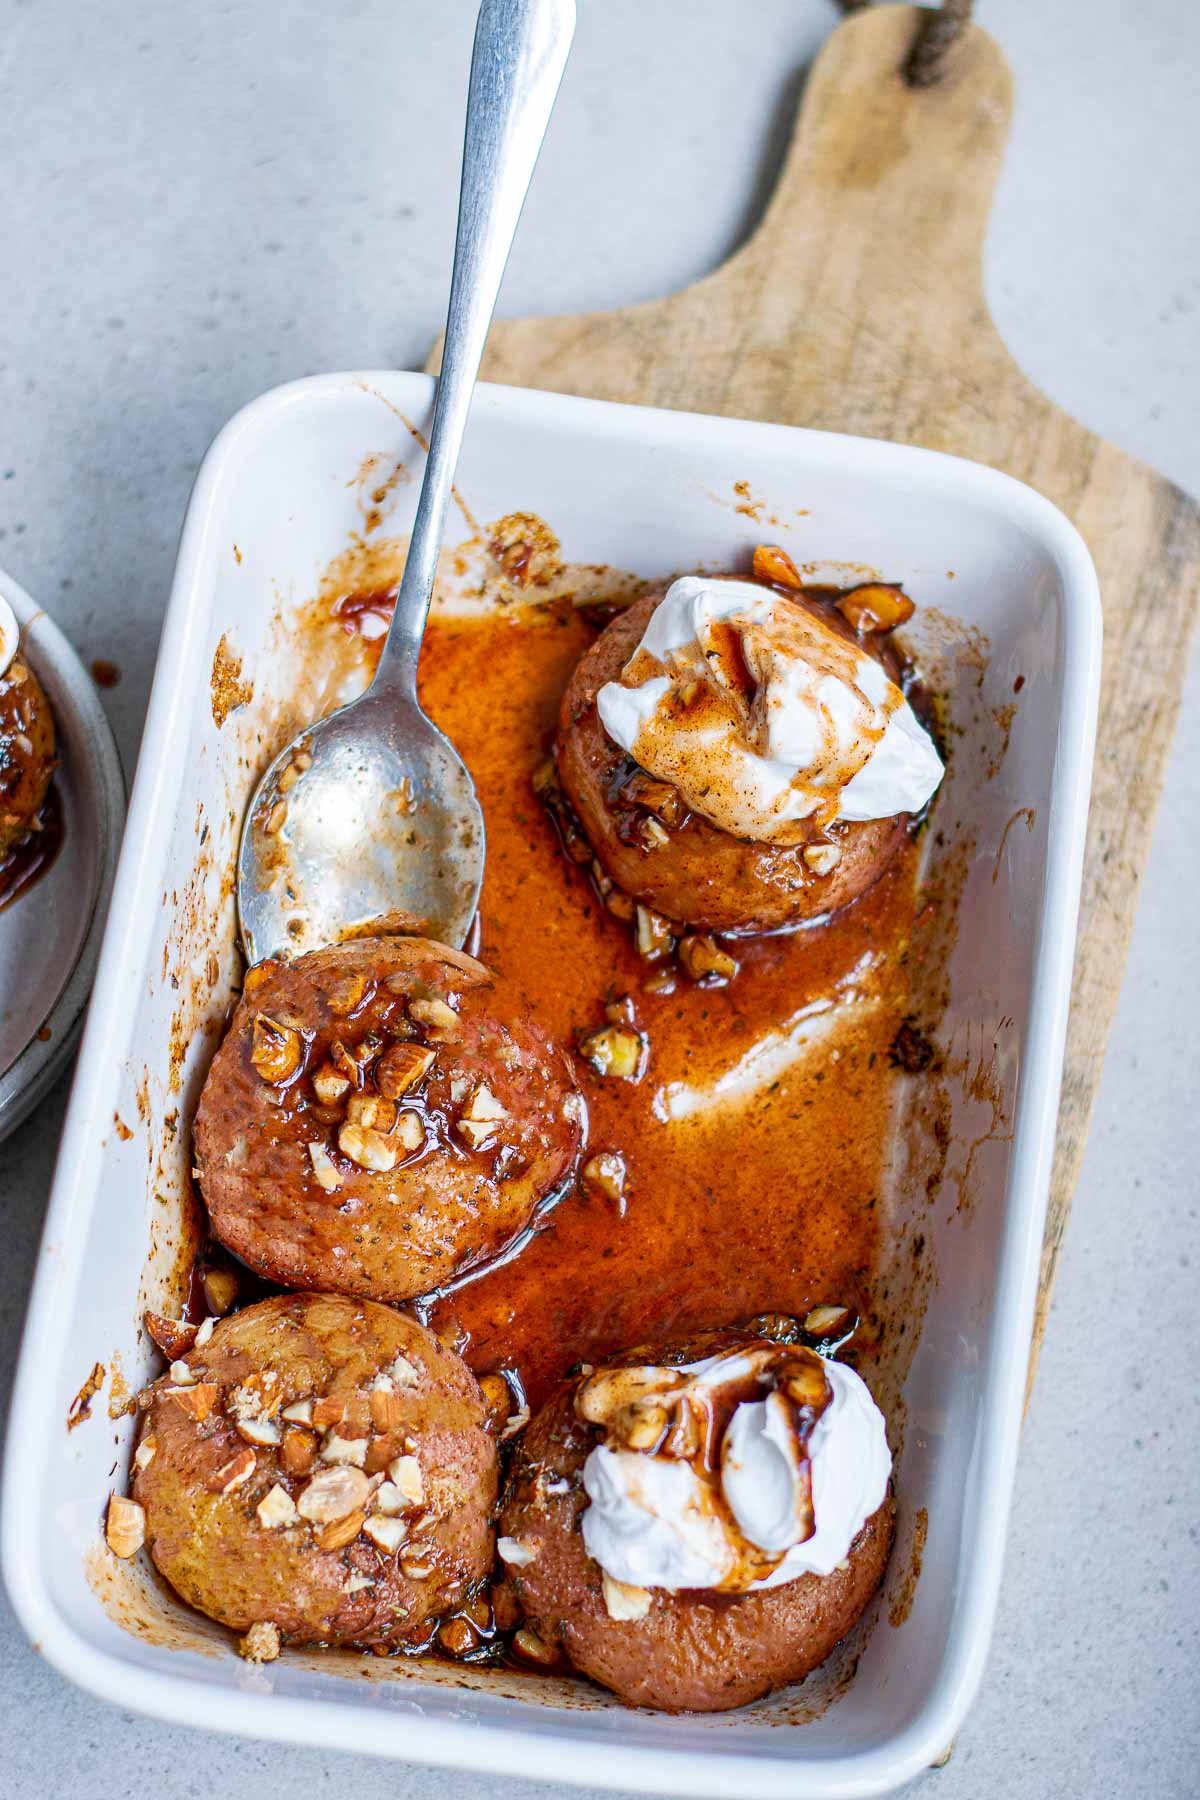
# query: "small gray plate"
50,935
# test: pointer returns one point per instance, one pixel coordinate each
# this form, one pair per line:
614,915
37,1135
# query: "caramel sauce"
29,860
727,649
766,1202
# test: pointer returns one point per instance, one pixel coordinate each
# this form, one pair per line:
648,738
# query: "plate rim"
25,1080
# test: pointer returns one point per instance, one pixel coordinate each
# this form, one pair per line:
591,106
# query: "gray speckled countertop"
197,203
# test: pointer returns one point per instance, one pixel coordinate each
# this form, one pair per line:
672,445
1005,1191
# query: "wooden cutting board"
857,305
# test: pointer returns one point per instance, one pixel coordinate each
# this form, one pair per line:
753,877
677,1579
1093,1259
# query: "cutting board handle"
870,253
905,172
864,272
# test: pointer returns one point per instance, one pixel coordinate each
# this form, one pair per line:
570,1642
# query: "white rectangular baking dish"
1009,601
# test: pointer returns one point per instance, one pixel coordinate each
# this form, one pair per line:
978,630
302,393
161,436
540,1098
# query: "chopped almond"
275,1050
439,1020
337,1449
220,1290
456,1636
277,1509
387,1532
603,1176
512,1551
369,1149
300,1412
497,1397
298,1451
533,1648
661,798
387,1409
257,1399
401,1068
330,1085
403,1373
355,1060
174,1337
405,1474
654,936
477,1134
345,992
199,1399
232,1474
330,1409
258,1430
876,606
685,1438
146,1451
518,1422
824,1320
807,1383
624,1602
640,1427
616,1051
380,1451
325,1170
651,833
481,1118
606,1392
706,962
484,1105
371,1111
332,1494
822,859
261,1643
409,1132
341,1532
259,975
776,566
124,1526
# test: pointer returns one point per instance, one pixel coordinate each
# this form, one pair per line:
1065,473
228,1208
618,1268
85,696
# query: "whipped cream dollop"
10,635
763,716
771,1511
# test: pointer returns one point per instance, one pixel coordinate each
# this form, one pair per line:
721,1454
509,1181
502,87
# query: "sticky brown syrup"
767,1205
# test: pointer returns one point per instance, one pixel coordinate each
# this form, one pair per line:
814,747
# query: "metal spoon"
370,817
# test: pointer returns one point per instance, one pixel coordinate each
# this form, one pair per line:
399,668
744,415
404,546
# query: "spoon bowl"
368,821
378,799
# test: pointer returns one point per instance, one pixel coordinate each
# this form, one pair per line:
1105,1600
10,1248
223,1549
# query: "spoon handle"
517,63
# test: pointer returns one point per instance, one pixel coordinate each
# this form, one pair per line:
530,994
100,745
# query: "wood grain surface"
857,305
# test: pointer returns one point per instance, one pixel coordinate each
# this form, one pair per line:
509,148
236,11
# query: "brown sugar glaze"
766,1203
